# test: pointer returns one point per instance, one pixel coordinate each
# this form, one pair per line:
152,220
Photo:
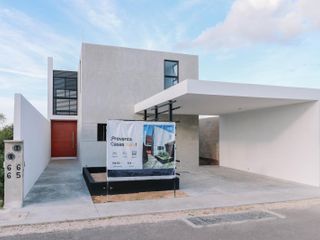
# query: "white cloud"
188,4
261,21
26,43
6,107
155,38
101,14
17,72
99,17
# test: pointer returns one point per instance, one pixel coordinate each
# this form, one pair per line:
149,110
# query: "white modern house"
268,130
110,80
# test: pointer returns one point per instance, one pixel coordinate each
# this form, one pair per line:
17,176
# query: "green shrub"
6,133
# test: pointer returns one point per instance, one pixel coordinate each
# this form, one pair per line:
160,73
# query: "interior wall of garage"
281,142
187,141
209,140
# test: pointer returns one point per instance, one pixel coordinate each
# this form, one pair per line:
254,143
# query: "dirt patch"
99,177
137,196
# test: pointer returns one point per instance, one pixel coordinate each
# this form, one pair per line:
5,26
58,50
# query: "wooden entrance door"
63,138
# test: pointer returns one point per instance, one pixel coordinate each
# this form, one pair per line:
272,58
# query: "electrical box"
13,174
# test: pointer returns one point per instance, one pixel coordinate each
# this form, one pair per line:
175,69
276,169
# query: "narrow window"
65,93
102,132
171,73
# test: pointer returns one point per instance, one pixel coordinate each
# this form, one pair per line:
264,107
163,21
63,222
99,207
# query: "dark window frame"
170,76
101,132
64,76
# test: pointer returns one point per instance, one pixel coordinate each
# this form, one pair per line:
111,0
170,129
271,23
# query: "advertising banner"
140,150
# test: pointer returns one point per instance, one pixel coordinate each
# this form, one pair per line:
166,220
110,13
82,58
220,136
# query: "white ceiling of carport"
215,98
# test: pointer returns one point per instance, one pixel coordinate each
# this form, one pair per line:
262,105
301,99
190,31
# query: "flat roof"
134,49
198,97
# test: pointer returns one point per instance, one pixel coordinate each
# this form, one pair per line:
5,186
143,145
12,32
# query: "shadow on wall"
209,140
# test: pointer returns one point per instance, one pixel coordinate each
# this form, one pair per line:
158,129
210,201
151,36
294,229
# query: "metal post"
145,117
156,115
174,187
170,111
107,186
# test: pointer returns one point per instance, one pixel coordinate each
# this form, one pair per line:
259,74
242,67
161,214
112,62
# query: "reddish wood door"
63,138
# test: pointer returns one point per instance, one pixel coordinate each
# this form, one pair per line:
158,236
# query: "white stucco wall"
112,80
187,142
34,129
281,142
50,86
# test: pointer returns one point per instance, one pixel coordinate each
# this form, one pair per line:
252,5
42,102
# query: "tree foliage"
2,119
6,133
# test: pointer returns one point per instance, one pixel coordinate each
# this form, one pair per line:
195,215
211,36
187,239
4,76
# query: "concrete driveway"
60,183
60,194
214,180
212,187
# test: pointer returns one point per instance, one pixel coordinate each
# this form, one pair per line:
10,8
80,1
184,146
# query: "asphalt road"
298,224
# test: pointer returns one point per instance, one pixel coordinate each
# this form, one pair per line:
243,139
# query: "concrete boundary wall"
281,142
34,129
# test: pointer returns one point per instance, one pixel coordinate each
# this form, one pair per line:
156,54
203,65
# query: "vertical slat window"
171,73
65,92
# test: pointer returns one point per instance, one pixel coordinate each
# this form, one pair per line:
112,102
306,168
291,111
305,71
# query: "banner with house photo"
140,150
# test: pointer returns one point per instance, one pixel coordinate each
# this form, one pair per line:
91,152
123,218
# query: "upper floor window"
65,92
171,73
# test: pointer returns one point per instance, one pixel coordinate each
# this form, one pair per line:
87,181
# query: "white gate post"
13,178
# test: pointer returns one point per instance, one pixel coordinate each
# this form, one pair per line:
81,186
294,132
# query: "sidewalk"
67,198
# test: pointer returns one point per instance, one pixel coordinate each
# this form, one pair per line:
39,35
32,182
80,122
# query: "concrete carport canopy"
198,97
268,130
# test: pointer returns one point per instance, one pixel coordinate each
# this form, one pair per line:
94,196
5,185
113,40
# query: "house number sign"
14,166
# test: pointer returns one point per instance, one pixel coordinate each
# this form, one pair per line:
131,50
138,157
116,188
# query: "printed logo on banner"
124,138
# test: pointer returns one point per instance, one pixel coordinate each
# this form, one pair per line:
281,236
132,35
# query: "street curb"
74,225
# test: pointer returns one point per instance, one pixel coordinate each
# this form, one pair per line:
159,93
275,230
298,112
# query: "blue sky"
273,42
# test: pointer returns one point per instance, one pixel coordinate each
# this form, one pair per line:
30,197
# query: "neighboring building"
109,82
